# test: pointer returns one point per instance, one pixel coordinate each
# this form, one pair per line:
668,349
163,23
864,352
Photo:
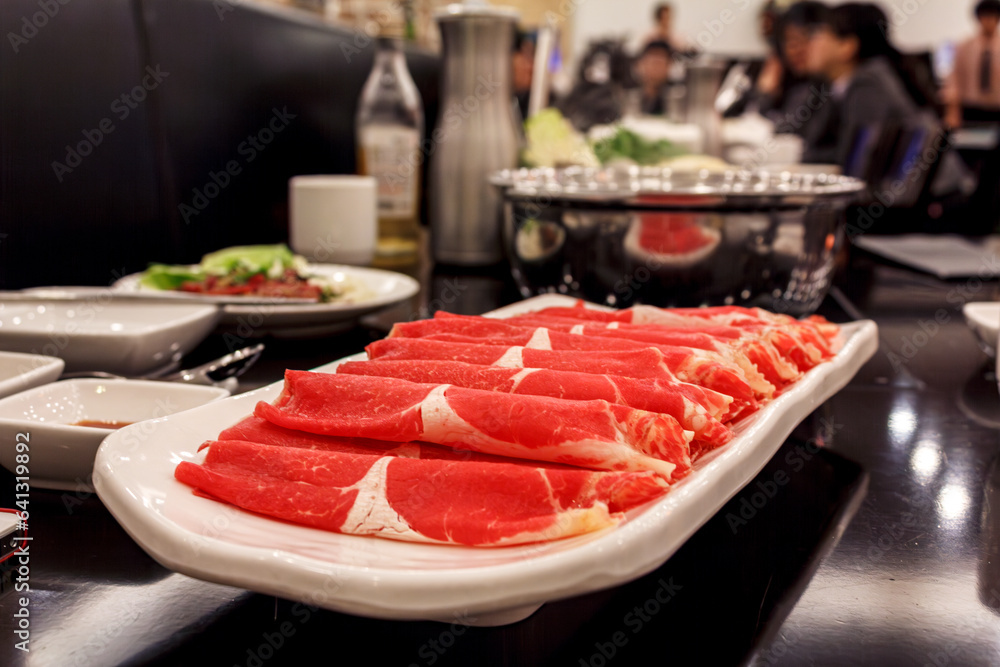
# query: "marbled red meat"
425,500
680,400
255,429
592,434
474,431
684,364
806,342
761,365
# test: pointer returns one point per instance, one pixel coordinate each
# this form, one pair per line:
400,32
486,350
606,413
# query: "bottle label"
390,155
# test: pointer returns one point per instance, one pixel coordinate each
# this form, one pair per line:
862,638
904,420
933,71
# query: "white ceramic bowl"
983,317
19,372
61,454
124,338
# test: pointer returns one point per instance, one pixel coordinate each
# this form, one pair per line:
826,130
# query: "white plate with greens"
375,289
349,292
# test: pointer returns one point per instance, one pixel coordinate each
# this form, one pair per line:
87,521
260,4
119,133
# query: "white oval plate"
384,288
398,580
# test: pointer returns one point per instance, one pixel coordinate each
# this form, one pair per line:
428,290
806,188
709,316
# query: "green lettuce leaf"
166,277
627,144
248,259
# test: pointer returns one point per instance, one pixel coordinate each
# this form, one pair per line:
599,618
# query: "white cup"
333,219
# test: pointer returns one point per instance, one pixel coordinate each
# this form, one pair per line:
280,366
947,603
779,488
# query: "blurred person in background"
786,91
598,94
851,50
973,89
663,31
767,24
523,69
652,72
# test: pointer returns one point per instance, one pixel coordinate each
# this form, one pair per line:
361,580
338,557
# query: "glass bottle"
390,125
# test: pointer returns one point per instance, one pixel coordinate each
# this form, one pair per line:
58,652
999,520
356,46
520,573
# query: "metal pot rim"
631,185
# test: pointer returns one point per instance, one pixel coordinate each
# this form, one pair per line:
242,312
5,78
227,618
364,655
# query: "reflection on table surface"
870,538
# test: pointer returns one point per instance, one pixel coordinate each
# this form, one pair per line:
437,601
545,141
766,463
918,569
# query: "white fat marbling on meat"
519,377
652,315
577,329
568,522
442,425
511,358
407,450
539,340
371,513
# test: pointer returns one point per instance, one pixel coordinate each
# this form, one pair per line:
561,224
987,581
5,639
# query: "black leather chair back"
86,213
208,108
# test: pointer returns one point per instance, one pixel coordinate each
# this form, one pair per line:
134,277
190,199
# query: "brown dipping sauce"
95,423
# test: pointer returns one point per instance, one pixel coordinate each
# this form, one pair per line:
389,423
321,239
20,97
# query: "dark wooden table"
882,549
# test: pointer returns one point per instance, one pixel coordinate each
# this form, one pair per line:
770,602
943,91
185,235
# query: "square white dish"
60,453
396,580
103,335
19,371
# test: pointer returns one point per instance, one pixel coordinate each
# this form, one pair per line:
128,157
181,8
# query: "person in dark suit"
888,129
852,52
652,71
784,81
786,92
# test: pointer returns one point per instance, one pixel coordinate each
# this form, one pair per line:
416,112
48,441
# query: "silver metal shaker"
476,133
703,79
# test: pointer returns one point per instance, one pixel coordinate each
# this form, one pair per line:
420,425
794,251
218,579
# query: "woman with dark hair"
851,50
785,91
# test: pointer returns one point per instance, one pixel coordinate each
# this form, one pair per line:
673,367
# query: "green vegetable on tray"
552,141
626,144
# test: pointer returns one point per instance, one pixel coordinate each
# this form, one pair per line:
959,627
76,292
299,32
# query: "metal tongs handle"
215,372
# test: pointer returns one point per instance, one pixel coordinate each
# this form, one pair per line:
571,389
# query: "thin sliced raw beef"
736,316
678,400
425,500
681,360
591,434
752,352
801,341
825,327
647,362
255,429
570,335
816,337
